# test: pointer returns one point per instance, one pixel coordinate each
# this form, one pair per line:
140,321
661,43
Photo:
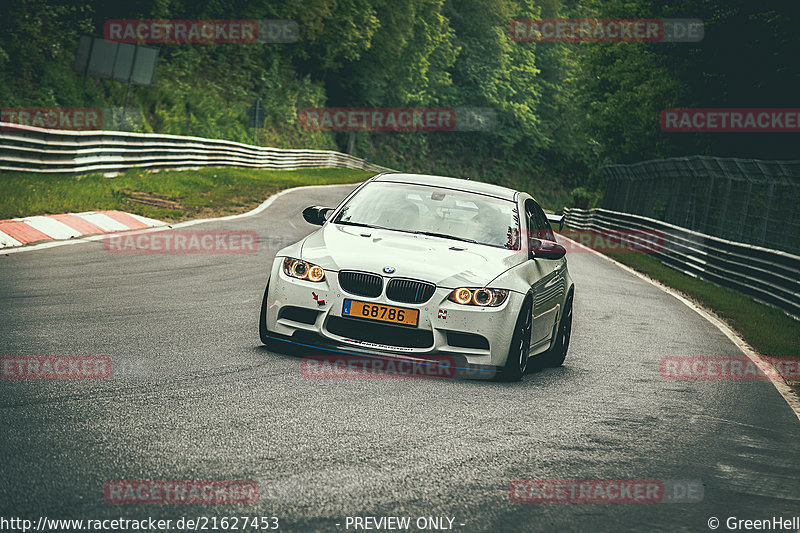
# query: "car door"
549,280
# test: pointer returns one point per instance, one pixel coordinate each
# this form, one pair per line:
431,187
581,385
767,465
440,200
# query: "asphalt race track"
195,396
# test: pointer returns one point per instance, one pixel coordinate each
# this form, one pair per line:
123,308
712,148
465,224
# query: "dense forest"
562,109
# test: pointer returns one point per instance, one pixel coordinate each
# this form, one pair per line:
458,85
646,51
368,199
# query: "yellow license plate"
384,313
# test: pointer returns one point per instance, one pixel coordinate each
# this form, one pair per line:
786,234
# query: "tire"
262,322
517,360
557,354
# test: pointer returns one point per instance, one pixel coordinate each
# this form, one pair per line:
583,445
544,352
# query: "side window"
538,226
532,230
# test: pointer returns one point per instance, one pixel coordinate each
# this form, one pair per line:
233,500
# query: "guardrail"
770,276
31,149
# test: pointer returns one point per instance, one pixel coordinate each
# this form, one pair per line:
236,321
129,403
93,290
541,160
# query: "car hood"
445,262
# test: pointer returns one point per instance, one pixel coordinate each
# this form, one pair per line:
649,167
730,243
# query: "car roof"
450,183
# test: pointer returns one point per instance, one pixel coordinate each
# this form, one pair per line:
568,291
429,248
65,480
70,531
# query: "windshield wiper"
359,224
428,233
444,236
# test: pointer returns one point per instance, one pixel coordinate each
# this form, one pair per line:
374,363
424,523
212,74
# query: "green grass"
768,330
166,195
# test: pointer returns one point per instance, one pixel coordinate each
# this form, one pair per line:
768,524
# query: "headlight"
300,269
462,296
482,297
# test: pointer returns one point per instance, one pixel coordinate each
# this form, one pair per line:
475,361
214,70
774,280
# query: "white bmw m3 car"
426,267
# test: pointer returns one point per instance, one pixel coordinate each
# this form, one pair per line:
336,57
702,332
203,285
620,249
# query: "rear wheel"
517,360
557,354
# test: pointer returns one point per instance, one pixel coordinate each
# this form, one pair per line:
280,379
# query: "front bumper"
477,339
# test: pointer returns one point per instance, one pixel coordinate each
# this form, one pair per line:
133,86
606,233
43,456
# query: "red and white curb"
21,231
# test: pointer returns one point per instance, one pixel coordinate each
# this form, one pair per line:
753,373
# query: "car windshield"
428,210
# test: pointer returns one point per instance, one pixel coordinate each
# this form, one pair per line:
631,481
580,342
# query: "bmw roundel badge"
388,270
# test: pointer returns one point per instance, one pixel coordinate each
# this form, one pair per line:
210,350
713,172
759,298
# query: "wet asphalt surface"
194,396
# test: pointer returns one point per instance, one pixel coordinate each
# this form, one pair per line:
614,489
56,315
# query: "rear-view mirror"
316,214
542,249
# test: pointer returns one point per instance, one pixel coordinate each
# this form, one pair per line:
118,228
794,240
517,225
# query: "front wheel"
557,354
517,361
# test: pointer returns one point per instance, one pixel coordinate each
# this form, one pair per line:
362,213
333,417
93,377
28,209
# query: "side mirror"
546,249
316,214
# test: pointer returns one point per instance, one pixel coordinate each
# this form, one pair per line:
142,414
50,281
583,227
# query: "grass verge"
168,195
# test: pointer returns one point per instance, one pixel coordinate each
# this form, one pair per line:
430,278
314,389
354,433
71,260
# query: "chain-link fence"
742,200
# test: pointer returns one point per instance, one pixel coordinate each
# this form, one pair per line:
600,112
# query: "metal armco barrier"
770,276
30,149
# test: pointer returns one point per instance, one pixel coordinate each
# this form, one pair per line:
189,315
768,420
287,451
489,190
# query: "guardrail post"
743,219
771,189
724,213
790,220
709,194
